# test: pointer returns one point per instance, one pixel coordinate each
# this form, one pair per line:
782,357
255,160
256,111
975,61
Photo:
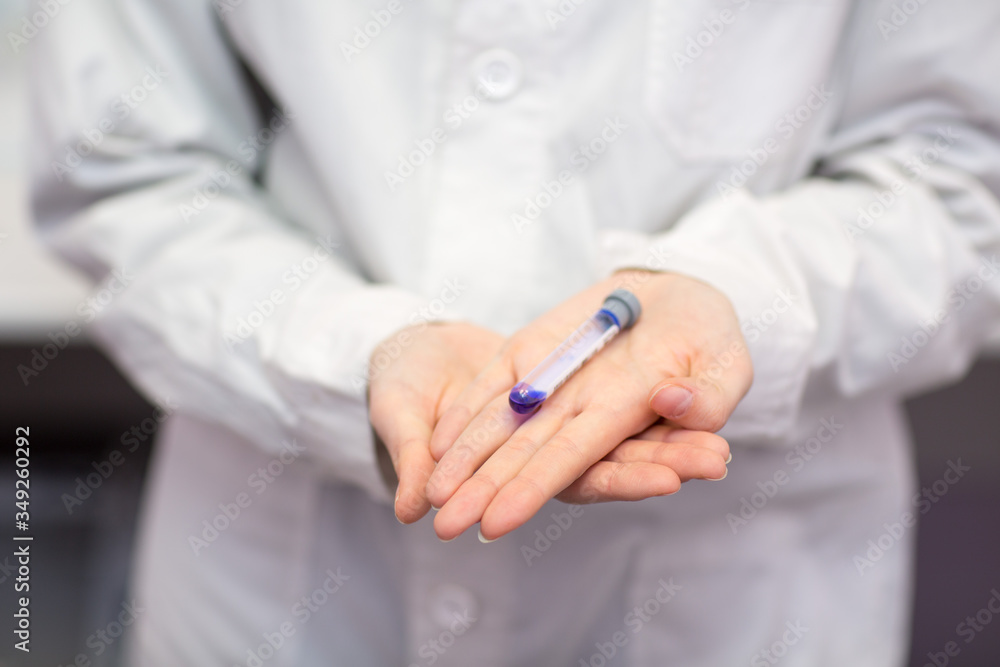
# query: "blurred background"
79,408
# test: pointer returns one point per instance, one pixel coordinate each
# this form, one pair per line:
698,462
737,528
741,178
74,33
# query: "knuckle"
521,446
589,494
453,463
534,488
481,433
714,417
562,410
457,413
664,452
566,446
487,482
460,454
612,481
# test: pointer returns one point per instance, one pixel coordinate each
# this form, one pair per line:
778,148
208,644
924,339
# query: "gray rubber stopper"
624,306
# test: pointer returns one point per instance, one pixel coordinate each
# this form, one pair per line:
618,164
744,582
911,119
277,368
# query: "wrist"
645,284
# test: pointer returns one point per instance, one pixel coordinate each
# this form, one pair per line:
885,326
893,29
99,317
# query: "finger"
704,400
688,461
473,495
607,481
414,467
667,433
496,379
407,438
484,435
566,456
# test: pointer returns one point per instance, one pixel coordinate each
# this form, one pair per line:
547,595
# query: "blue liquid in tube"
620,311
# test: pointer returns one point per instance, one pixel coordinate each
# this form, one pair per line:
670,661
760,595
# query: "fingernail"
673,400
730,458
447,541
395,505
719,479
483,539
395,513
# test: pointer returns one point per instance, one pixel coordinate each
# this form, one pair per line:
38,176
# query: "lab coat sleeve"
879,273
143,177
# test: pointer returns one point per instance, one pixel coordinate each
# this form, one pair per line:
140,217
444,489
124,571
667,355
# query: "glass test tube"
620,311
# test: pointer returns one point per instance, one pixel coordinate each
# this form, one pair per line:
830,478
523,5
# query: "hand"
685,359
430,365
653,463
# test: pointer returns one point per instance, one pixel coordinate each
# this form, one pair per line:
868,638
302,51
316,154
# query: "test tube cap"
624,306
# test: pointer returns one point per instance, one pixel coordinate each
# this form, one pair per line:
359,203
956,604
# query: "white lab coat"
485,160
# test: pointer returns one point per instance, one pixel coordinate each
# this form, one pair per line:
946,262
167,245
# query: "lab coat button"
453,607
497,74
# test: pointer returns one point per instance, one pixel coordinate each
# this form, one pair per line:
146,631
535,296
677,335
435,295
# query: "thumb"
705,400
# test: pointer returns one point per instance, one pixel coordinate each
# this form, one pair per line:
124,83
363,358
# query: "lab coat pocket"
722,75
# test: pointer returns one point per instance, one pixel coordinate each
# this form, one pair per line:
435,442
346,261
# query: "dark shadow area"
83,501
958,556
80,411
